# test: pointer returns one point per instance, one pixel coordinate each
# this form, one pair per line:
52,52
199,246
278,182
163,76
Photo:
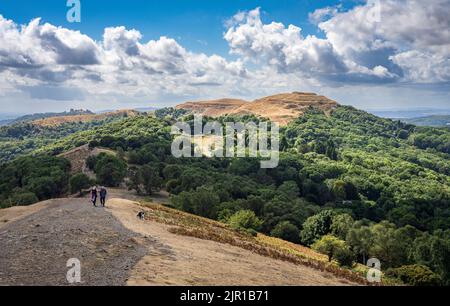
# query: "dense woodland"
24,136
350,185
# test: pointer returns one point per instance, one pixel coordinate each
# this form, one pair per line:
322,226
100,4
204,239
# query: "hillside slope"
23,137
59,120
281,108
115,248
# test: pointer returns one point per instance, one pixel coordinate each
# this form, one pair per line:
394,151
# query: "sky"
375,55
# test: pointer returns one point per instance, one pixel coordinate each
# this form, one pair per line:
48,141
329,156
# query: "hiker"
103,193
94,196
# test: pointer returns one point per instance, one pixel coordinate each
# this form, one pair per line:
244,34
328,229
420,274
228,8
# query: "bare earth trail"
115,248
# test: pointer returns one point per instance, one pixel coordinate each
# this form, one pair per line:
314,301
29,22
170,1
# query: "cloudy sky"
380,54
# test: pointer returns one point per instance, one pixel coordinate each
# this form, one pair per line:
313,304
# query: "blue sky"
197,24
204,49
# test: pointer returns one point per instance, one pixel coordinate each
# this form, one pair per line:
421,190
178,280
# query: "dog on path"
141,215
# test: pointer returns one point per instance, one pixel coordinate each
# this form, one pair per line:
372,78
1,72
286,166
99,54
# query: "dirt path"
200,262
34,249
115,248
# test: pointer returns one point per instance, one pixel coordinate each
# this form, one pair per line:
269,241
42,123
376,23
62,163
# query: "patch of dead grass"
194,226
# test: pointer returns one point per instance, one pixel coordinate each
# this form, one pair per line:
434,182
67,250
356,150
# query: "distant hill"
409,114
87,117
435,120
281,108
40,116
33,131
6,122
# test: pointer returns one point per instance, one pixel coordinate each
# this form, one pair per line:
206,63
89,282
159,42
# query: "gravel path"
34,250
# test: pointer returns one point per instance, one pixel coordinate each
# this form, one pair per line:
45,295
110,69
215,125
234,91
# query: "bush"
91,161
78,182
43,187
202,202
23,199
416,275
245,219
110,170
345,257
286,231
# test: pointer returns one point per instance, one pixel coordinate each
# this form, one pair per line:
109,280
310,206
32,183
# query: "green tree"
78,182
416,275
360,240
316,226
43,187
23,198
286,231
245,219
290,190
134,180
433,251
110,170
150,179
341,225
203,202
388,246
330,246
172,172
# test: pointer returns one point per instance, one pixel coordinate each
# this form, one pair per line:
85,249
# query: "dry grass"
281,108
194,226
57,121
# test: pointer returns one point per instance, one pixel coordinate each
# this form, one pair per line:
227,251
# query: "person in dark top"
103,194
94,196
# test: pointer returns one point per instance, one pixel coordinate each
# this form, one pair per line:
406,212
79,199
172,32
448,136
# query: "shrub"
345,257
110,170
173,186
172,172
416,275
23,199
245,219
43,187
78,182
286,231
202,202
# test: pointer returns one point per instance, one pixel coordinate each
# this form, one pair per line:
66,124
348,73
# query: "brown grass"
206,229
56,121
281,108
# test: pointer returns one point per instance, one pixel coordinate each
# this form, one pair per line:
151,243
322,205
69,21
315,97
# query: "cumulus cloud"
55,58
380,41
403,37
322,14
280,46
288,51
397,42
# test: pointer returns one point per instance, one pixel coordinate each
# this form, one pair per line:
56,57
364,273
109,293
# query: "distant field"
435,120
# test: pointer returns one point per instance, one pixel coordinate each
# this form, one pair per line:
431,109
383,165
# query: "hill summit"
281,108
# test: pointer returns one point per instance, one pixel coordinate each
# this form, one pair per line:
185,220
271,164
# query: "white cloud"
42,58
407,32
423,67
285,49
409,45
321,14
